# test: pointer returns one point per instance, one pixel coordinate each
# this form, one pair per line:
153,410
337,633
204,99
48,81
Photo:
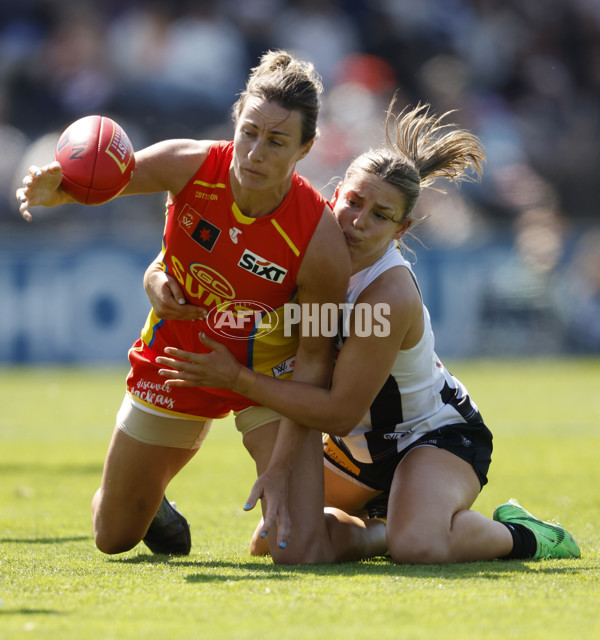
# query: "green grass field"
55,424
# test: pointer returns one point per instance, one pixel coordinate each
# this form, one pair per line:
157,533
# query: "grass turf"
54,428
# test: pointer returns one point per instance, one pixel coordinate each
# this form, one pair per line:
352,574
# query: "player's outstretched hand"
41,187
166,296
271,487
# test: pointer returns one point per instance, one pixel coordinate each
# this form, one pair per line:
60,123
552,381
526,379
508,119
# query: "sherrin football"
96,158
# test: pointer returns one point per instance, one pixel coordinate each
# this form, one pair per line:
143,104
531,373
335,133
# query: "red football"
96,158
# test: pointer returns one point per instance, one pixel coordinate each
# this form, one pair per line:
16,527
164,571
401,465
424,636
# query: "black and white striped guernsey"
420,395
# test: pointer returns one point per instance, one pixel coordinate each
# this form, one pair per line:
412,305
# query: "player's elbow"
337,417
339,430
341,424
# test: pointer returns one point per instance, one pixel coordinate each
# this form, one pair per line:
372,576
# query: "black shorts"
470,442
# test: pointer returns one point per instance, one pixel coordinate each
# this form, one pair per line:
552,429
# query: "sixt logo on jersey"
262,268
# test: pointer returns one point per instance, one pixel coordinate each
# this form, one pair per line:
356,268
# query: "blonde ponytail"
419,149
436,149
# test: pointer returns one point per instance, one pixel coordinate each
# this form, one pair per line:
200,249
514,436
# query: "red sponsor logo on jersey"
198,229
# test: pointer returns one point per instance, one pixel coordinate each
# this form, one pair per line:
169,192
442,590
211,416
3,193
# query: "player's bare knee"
415,547
110,538
114,542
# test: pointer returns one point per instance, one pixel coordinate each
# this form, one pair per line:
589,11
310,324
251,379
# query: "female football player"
231,206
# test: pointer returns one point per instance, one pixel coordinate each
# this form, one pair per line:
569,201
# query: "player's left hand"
167,298
217,368
271,487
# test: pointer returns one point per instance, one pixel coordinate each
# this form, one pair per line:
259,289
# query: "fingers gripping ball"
96,158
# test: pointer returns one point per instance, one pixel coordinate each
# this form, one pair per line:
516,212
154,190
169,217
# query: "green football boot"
553,541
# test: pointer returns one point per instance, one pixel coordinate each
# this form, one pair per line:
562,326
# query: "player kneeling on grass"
231,205
405,442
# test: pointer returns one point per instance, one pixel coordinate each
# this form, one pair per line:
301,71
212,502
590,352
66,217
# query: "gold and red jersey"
242,270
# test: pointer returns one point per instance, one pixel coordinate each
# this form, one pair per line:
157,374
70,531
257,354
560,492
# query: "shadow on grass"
43,468
30,612
45,540
216,571
149,558
208,571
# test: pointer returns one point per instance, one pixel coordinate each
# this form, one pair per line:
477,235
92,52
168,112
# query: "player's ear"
403,227
306,148
336,194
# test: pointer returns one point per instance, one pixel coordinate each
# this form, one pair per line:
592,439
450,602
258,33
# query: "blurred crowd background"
511,265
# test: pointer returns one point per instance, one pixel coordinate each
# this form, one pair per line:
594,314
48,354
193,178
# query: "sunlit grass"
54,429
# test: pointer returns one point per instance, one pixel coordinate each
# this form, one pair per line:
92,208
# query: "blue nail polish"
263,534
282,545
246,507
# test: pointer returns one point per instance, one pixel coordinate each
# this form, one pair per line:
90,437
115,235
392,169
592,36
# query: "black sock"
524,542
